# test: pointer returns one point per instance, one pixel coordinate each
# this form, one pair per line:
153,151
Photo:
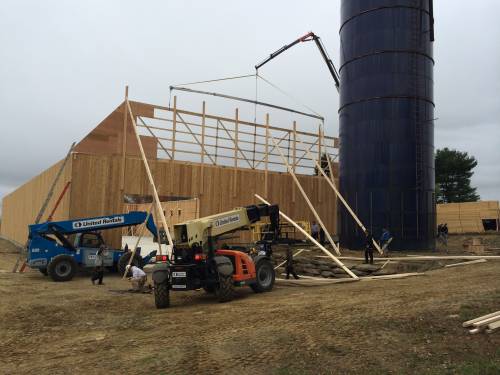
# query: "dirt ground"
406,326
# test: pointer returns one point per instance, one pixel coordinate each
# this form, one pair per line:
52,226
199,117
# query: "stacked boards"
468,217
488,323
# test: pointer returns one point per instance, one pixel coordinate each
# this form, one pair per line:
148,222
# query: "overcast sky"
64,65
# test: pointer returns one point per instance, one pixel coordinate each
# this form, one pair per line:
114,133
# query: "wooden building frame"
222,161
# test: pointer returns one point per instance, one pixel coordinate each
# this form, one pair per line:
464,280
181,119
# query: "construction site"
217,233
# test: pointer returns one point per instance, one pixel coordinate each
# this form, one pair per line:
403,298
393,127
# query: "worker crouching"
137,277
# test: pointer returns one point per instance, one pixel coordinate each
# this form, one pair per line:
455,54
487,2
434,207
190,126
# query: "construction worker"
369,247
137,277
315,230
98,272
443,234
384,240
321,236
289,264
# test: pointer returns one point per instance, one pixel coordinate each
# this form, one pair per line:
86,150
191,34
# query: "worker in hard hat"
137,277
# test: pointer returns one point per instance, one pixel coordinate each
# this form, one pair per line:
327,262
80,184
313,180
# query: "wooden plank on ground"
493,327
466,263
486,321
472,321
425,257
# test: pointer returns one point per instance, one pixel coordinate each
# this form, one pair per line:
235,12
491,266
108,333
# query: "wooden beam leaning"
308,236
354,216
141,233
196,139
49,195
306,198
236,148
305,151
151,181
271,150
153,135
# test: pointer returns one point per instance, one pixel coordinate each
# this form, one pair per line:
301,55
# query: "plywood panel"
175,212
106,138
20,208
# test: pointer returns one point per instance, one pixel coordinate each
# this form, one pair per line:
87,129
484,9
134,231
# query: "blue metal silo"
387,120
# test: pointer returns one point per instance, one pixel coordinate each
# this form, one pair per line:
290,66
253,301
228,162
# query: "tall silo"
386,119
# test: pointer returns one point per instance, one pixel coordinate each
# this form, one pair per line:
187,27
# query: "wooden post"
299,186
319,144
202,153
319,158
266,188
138,240
124,144
307,235
342,199
174,126
235,173
216,142
236,118
151,181
294,153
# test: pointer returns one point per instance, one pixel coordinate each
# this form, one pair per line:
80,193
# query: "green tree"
453,174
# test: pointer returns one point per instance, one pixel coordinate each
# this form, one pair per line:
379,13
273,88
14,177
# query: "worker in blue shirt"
384,240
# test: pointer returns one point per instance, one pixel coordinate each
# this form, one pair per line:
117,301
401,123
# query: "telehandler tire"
62,268
225,290
210,289
265,276
162,295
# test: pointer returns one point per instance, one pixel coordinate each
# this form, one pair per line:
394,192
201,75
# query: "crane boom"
306,38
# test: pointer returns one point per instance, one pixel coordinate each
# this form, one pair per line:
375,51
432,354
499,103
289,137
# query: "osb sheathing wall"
107,137
95,188
20,208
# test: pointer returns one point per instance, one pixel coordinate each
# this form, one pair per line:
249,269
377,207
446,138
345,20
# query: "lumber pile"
487,323
467,217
